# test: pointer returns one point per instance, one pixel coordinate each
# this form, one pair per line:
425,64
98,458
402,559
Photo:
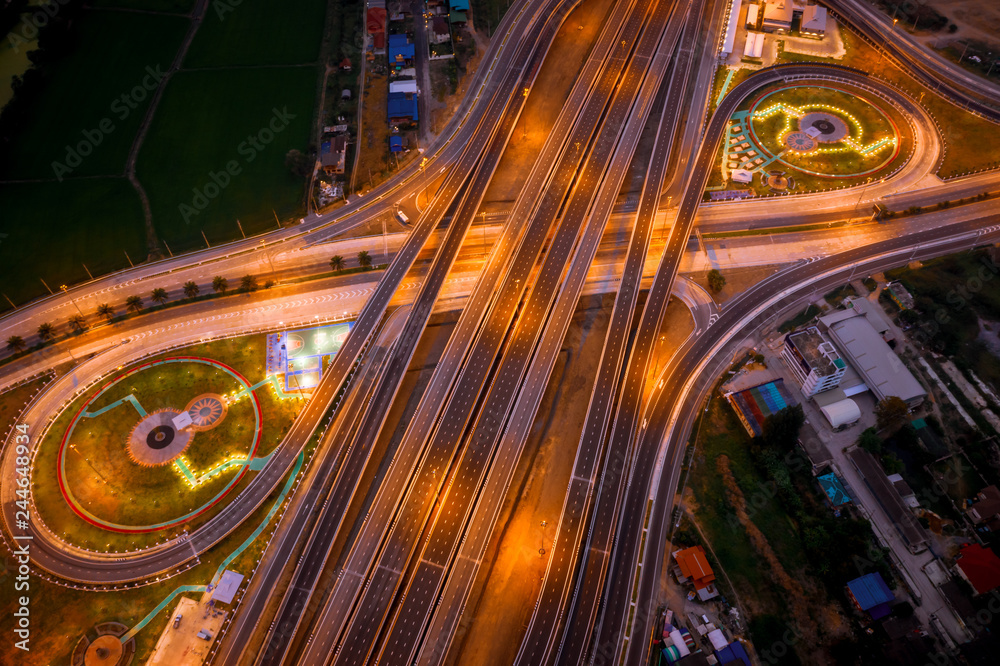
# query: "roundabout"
174,462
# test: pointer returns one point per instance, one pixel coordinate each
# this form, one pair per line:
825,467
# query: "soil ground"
504,593
545,101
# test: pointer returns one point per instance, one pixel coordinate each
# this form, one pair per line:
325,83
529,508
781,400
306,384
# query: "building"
732,23
333,155
979,566
402,108
841,414
401,52
882,371
754,47
692,566
834,489
984,513
440,32
813,21
458,18
899,295
459,5
752,16
813,360
754,405
396,143
734,653
777,16
905,492
409,86
871,595
375,22
888,498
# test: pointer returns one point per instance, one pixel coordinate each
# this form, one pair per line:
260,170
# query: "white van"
401,216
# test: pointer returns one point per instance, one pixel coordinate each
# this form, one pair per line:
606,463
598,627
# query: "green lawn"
210,118
53,229
258,32
113,488
80,117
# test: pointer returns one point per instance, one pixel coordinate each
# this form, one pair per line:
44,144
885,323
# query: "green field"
54,228
203,123
114,54
184,148
173,6
258,32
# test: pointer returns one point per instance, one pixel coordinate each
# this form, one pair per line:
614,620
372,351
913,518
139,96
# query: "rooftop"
870,592
980,566
883,372
816,351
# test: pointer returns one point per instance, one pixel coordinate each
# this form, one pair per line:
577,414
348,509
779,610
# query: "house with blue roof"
459,5
733,653
871,595
400,51
402,108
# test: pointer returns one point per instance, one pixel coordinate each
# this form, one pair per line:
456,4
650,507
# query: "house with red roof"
692,566
980,566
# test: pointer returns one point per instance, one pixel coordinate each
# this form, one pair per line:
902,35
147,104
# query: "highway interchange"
397,593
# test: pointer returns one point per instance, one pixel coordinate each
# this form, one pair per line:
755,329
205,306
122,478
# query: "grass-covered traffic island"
161,446
809,137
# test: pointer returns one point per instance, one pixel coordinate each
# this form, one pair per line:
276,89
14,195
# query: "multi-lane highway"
407,566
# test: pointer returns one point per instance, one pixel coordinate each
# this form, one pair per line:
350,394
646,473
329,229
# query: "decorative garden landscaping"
809,137
160,447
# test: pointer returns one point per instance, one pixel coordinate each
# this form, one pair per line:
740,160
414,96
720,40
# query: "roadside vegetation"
780,545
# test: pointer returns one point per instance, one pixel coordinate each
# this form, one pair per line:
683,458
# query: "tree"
337,263
715,280
220,284
268,284
105,310
46,331
364,259
159,295
191,289
892,464
299,163
78,322
781,429
15,343
248,282
870,441
891,412
134,303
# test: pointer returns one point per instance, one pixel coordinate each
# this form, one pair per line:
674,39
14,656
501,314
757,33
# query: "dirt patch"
546,99
738,280
801,609
504,594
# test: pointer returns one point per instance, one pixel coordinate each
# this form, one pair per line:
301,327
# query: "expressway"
410,567
627,519
74,564
547,621
457,410
314,559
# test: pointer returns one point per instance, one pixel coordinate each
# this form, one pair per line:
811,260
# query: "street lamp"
65,290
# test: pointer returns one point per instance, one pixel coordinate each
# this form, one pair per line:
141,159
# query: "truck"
401,216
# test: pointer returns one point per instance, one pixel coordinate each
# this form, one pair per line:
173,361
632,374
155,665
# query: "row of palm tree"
47,331
338,264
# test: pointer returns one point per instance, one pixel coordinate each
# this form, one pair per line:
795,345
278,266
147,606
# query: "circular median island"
816,136
157,449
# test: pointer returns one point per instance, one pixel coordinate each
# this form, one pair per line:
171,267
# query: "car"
204,635
177,620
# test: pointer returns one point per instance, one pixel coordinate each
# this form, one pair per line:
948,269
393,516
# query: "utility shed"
841,413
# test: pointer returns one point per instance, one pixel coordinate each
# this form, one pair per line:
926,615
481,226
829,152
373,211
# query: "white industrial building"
778,16
732,23
813,360
813,21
